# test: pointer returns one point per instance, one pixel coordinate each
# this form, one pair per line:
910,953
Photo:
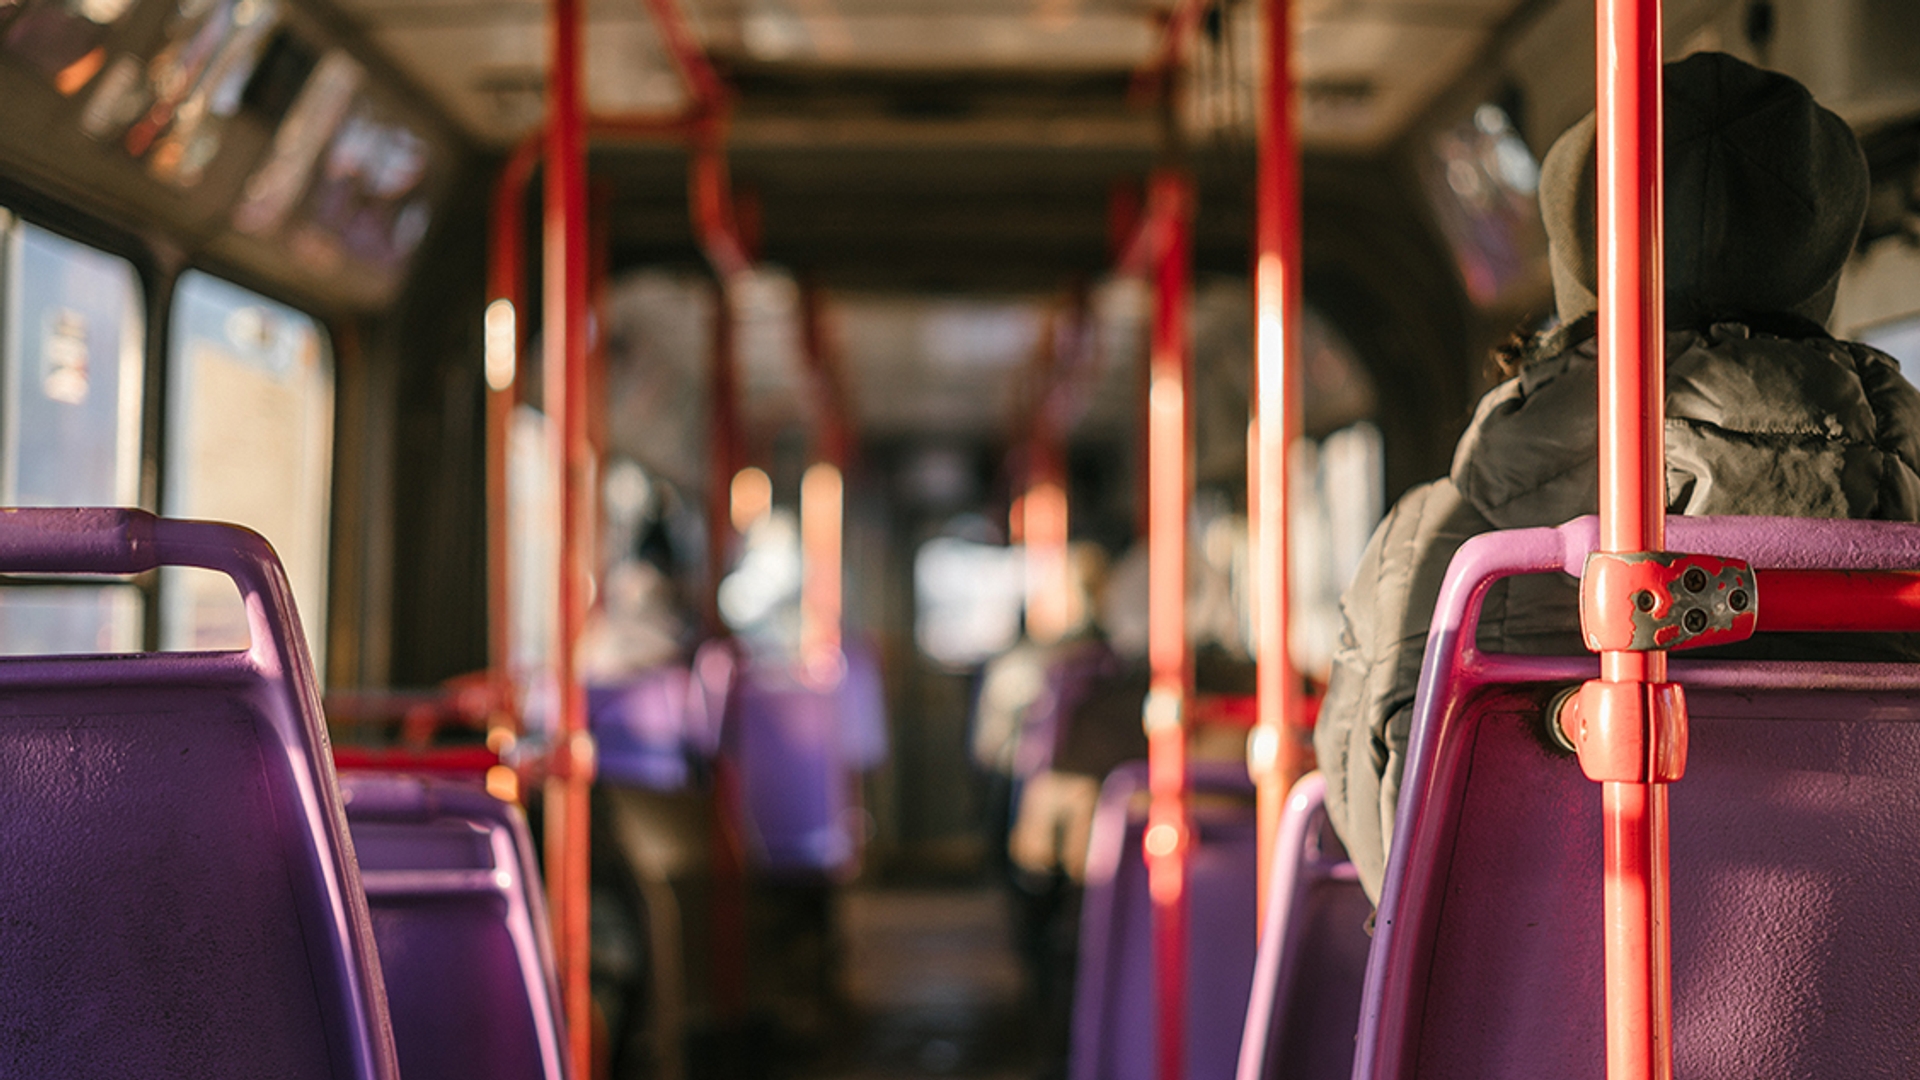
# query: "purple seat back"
784,738
177,884
462,929
1794,847
863,708
1305,1008
1113,1006
642,728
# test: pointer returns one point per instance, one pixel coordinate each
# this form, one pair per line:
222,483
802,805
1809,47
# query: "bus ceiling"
965,145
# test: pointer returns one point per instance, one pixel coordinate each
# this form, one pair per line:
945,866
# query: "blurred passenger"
1026,698
1766,413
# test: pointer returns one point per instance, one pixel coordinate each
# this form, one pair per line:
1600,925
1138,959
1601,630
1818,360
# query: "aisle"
934,988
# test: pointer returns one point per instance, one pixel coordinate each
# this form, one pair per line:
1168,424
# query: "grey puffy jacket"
1756,424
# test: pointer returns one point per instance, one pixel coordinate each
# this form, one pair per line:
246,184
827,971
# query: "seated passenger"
1766,414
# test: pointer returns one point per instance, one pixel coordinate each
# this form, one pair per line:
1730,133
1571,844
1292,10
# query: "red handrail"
1151,77
565,398
561,147
1170,483
1280,751
1859,601
1633,518
505,344
1040,522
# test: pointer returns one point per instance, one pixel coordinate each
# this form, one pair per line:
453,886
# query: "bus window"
1899,339
74,325
249,440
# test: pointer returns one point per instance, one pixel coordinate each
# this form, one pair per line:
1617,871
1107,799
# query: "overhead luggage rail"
180,888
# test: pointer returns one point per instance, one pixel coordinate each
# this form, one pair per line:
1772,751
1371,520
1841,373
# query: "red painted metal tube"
1151,77
645,127
1861,601
1170,489
711,195
709,91
1632,512
565,399
463,761
725,848
506,267
823,499
723,452
1280,750
825,378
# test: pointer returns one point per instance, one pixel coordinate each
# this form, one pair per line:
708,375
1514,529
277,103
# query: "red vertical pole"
728,853
1633,511
1170,483
565,304
506,259
1279,752
1044,526
822,502
723,454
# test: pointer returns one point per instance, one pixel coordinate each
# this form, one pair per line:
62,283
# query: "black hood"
1766,192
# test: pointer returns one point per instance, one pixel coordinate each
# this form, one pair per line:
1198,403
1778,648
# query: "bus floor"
932,987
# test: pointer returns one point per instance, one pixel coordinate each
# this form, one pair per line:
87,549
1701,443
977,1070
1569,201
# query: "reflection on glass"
74,328
172,109
1483,184
52,620
249,440
64,39
70,433
366,202
278,184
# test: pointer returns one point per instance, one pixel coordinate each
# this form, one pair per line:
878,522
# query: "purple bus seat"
1795,847
462,928
1305,1007
1113,1032
177,886
784,738
863,708
641,729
